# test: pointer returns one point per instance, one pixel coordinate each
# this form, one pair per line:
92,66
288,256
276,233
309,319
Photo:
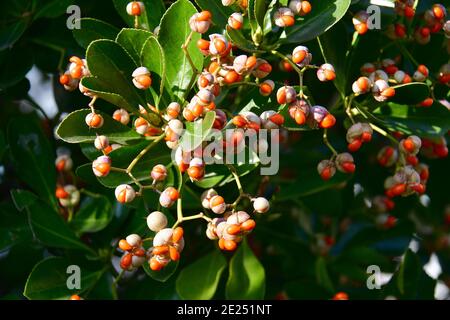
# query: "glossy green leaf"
196,132
322,276
334,44
410,93
238,39
53,9
93,29
14,227
22,198
152,57
172,35
109,62
101,89
49,279
220,13
247,276
410,281
33,157
308,183
133,41
199,280
323,16
73,129
149,20
51,229
260,12
432,121
94,215
141,171
10,34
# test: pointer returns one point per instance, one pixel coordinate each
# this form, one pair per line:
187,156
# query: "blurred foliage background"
34,48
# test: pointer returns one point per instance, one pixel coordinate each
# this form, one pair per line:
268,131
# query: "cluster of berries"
233,225
285,16
67,194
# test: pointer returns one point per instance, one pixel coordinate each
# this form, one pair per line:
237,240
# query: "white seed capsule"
238,217
261,205
159,172
101,142
236,20
101,166
156,221
135,8
172,111
206,197
142,78
217,205
125,193
134,240
94,120
265,119
64,163
122,116
176,126
163,237
74,196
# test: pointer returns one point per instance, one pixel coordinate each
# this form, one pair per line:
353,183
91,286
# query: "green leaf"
260,12
93,29
410,93
51,229
49,279
199,280
15,64
94,215
14,228
307,183
432,121
22,198
101,89
152,57
323,16
33,157
109,62
149,20
218,175
123,156
334,44
410,280
322,276
247,276
73,129
238,39
220,13
133,41
197,131
172,35
10,34
162,275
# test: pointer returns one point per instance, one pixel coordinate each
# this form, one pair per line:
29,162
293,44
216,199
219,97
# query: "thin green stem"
327,142
142,153
242,83
384,133
70,214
